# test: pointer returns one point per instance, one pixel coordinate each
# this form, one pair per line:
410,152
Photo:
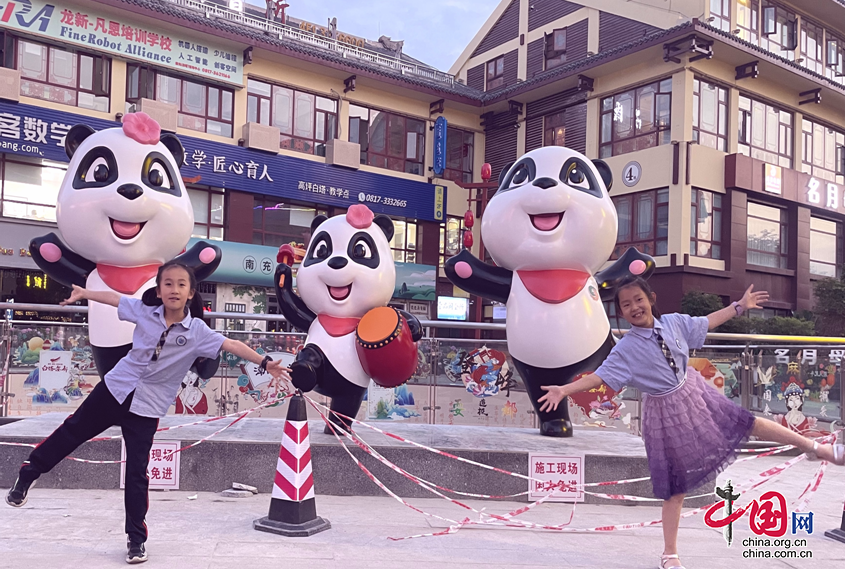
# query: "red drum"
387,352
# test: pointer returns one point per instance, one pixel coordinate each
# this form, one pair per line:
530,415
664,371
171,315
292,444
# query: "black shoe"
559,428
137,553
17,495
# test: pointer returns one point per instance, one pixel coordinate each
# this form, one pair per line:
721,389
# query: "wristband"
262,368
738,308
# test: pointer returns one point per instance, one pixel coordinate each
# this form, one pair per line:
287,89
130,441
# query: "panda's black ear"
74,138
317,221
386,225
605,172
174,145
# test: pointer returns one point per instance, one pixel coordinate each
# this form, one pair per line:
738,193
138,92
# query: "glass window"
765,132
812,49
450,238
276,222
824,152
778,32
706,224
405,241
459,154
389,140
720,14
496,73
636,119
554,129
834,57
555,48
825,247
747,19
767,236
208,213
710,115
30,189
643,222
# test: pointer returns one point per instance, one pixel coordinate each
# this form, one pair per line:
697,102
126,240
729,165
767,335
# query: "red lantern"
468,239
469,219
486,172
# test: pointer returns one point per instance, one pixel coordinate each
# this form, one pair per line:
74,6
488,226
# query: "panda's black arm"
414,325
610,277
69,269
199,258
485,280
292,306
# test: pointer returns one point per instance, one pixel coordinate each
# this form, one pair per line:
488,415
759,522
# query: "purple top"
638,361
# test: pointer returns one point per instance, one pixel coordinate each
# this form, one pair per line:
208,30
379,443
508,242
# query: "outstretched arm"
60,262
80,293
631,263
203,258
292,306
751,300
242,350
557,393
472,275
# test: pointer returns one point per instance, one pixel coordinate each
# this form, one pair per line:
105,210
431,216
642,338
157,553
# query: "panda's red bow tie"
126,280
553,286
338,326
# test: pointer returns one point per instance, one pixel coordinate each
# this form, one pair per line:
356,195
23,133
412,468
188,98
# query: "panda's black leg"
555,422
105,358
307,367
347,404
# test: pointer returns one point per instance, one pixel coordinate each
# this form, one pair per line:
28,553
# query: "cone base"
292,529
837,534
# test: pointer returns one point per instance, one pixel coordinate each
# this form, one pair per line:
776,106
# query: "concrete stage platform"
247,453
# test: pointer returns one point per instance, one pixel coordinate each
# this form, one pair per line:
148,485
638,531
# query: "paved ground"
84,528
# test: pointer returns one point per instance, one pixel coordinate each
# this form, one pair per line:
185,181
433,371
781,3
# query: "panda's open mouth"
340,293
546,222
126,230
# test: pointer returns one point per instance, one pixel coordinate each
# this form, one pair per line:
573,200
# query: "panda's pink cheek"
464,270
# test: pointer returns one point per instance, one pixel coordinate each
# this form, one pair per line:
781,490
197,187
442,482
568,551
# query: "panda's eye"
159,177
520,176
159,174
576,177
322,250
576,174
361,250
98,171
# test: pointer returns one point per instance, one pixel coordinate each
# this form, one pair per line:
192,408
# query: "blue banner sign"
440,130
40,132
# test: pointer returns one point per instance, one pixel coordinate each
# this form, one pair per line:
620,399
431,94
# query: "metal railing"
346,50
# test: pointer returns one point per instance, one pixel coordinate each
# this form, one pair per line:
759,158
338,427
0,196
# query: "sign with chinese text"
54,369
40,132
121,37
440,130
773,179
163,469
560,475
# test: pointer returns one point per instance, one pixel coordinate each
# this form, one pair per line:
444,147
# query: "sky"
435,31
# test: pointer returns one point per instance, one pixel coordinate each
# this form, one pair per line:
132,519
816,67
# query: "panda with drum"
550,227
345,282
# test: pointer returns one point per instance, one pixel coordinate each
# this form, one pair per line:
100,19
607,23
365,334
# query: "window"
812,46
235,324
30,188
450,238
306,121
496,73
706,224
765,132
275,222
720,14
835,58
63,76
747,19
824,152
825,247
459,151
202,107
555,48
710,115
779,34
643,222
554,130
208,213
636,119
766,236
405,241
388,140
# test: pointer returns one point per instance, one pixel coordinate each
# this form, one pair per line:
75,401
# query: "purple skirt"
691,435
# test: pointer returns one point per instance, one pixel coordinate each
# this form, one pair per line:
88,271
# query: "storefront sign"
54,369
39,132
440,130
328,32
123,38
773,179
824,193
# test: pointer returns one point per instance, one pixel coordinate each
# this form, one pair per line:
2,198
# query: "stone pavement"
84,528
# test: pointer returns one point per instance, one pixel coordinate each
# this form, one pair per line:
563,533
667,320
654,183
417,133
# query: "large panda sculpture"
347,271
124,211
549,228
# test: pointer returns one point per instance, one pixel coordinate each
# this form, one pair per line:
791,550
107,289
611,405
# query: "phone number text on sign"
376,199
558,475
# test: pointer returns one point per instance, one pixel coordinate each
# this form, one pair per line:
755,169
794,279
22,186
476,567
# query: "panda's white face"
347,271
123,203
552,211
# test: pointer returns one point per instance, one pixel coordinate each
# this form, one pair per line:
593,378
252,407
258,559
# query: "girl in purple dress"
690,430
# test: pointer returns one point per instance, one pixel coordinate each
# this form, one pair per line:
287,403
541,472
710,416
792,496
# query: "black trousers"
97,413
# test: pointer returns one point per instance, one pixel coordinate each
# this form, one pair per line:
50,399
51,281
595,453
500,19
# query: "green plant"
830,306
698,303
258,296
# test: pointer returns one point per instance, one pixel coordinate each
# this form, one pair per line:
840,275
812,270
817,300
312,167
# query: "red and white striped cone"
293,508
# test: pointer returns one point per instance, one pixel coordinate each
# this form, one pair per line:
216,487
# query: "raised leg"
306,369
765,429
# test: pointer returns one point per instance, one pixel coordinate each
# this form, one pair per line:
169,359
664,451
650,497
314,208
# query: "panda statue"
123,211
549,228
347,271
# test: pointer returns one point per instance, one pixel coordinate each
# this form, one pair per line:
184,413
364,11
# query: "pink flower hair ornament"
359,216
142,128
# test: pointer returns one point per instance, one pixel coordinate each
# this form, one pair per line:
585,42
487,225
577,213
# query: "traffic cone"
293,508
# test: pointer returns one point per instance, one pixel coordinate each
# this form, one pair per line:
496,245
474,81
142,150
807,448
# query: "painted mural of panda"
347,271
550,227
124,211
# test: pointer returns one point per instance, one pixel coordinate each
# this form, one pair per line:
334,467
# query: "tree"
698,303
830,306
